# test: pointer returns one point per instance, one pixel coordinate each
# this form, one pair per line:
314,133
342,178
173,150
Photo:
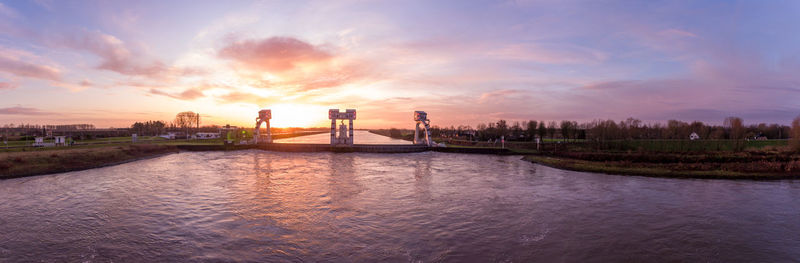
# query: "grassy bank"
27,161
395,134
57,160
704,167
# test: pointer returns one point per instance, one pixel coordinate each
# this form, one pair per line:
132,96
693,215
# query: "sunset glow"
110,63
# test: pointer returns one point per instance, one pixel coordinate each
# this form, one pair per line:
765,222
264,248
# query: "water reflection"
267,207
359,137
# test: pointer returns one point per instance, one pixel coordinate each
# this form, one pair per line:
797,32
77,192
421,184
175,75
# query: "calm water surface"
359,137
259,206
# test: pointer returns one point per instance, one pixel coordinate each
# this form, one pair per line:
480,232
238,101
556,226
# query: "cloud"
7,85
115,55
19,67
8,11
245,97
46,4
188,94
562,53
676,33
19,110
497,95
275,54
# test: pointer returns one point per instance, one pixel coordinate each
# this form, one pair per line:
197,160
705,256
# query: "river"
260,206
359,137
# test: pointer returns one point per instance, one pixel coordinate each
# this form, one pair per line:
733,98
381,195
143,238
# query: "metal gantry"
343,138
422,132
263,117
422,118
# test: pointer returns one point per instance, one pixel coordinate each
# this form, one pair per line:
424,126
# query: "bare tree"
186,120
566,129
531,129
736,126
795,134
551,129
542,130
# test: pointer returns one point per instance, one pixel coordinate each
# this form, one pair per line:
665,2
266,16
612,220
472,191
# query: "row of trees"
151,128
629,129
183,121
58,127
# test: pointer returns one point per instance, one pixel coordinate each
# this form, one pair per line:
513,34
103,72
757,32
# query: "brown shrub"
4,165
794,138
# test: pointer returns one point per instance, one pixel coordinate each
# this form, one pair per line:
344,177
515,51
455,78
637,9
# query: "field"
55,160
684,145
20,159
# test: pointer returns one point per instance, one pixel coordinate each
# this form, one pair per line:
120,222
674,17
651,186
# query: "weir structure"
343,139
342,143
263,117
422,118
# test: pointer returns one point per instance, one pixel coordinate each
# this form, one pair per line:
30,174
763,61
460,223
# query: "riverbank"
58,160
709,166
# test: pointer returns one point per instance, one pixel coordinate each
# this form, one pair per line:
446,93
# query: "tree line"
600,130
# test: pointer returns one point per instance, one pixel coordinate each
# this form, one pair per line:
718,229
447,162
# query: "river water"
260,206
359,137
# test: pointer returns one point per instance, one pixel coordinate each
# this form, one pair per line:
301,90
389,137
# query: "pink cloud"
114,53
244,97
19,110
188,94
7,85
19,67
550,54
497,95
273,54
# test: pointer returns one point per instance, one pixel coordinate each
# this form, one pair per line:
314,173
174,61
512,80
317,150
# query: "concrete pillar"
257,131
416,134
333,131
350,138
269,133
428,139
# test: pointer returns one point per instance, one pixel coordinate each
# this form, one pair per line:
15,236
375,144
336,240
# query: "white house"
61,140
169,135
206,135
694,136
38,141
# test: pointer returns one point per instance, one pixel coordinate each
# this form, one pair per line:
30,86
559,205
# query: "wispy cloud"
19,110
115,55
550,53
188,94
18,66
497,95
7,85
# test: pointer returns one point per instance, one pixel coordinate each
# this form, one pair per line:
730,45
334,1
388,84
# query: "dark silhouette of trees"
551,129
531,130
502,128
151,128
568,129
628,129
542,130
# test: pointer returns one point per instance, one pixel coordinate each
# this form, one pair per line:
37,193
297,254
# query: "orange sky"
111,63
